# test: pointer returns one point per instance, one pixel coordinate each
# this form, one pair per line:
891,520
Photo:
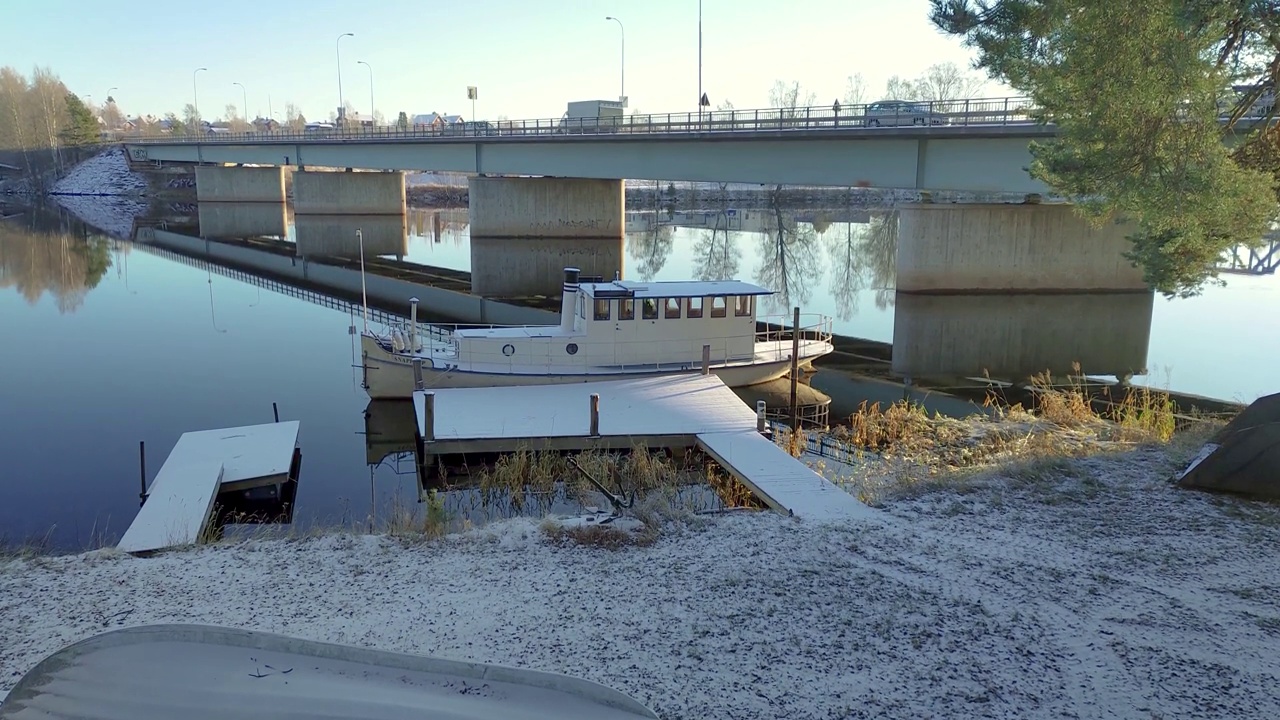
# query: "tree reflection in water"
715,254
861,258
40,253
650,249
789,261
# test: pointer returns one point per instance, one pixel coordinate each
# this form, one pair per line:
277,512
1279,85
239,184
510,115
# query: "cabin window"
695,308
649,309
742,306
628,310
602,309
673,308
718,306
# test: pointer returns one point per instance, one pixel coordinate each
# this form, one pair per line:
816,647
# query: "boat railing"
777,328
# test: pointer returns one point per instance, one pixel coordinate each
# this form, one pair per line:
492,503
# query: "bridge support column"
242,219
217,183
525,231
968,248
348,193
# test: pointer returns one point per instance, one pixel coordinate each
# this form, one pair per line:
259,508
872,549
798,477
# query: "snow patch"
106,173
1108,593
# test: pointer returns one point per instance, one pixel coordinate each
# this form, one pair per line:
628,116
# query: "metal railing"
970,111
813,326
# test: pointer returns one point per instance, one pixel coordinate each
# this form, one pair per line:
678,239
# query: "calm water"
108,344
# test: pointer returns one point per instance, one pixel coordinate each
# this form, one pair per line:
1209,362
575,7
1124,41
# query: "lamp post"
337,51
699,62
111,90
370,68
244,98
622,94
195,93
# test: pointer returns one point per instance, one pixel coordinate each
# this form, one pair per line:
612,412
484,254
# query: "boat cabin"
624,322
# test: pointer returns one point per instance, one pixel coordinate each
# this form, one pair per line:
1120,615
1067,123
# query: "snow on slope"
106,173
1097,593
112,215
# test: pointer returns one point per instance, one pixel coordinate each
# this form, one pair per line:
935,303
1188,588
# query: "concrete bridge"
552,187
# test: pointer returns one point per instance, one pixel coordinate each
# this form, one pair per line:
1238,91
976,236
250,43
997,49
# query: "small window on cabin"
742,306
602,309
649,309
628,310
673,308
718,306
695,308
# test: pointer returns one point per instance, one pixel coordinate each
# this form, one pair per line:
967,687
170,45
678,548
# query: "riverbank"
1018,568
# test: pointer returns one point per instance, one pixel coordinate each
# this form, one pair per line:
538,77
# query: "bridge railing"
971,111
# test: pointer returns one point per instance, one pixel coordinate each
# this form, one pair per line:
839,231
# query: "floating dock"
680,411
180,499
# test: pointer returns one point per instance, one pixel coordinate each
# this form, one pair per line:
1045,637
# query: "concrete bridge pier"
221,183
526,230
348,193
242,219
983,248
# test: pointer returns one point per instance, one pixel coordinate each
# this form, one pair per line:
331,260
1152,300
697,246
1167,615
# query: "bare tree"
855,90
111,116
940,82
650,249
716,255
293,116
190,118
787,97
788,261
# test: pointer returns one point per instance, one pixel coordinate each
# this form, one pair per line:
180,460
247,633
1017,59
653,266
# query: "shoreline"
1015,591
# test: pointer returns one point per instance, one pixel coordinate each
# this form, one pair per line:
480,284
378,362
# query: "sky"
527,58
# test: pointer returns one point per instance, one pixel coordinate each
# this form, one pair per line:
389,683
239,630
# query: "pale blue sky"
527,57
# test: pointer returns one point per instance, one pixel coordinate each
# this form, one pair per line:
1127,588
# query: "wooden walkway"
680,411
202,464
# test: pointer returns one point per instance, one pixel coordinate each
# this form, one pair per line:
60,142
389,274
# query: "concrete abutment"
348,193
526,230
219,183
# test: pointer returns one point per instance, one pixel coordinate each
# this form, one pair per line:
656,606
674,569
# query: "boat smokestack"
413,324
569,298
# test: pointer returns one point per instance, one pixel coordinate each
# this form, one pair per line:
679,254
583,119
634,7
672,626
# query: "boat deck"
669,411
202,464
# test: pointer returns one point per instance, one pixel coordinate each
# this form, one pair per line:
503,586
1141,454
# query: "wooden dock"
683,411
202,464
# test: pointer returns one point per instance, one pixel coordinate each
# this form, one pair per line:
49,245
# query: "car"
903,112
478,127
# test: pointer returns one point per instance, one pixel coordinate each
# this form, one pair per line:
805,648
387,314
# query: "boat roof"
671,289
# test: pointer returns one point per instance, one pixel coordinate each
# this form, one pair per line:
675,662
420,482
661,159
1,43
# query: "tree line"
43,125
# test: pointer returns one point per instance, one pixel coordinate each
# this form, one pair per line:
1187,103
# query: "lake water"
107,344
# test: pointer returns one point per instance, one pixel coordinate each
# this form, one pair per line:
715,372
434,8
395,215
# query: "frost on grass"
106,173
1124,597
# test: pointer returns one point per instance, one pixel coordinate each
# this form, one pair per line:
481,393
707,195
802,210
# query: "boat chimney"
413,324
569,298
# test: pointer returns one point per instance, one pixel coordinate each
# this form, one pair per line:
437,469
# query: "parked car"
478,127
902,112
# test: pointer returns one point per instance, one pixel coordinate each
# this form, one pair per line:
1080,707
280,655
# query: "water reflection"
335,235
439,224
226,219
650,249
789,261
716,253
44,253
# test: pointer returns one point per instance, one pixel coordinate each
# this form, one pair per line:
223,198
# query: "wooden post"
795,369
142,466
275,410
429,417
417,374
760,421
595,414
706,359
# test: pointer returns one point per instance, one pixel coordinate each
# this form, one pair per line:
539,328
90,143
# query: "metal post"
372,123
142,466
364,294
595,415
337,51
429,417
760,422
795,368
275,410
195,95
699,64
417,374
706,359
623,90
244,98
413,324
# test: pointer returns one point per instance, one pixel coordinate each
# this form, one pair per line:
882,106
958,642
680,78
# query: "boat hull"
390,376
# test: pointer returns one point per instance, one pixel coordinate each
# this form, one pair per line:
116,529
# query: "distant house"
363,120
434,120
265,124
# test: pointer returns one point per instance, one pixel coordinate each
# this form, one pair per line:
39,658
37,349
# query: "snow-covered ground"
112,215
1085,588
106,173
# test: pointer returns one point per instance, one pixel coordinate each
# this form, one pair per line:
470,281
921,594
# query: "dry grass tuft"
603,537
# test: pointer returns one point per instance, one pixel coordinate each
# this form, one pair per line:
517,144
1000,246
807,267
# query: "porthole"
508,349
571,348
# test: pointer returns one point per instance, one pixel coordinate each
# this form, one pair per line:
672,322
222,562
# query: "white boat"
608,330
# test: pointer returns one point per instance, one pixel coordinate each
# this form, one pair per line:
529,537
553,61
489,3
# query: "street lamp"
244,97
623,93
370,68
195,93
111,90
699,61
337,50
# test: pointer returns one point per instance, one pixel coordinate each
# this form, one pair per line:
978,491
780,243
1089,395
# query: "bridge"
546,193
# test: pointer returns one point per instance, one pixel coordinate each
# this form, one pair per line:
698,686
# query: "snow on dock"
670,411
202,464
